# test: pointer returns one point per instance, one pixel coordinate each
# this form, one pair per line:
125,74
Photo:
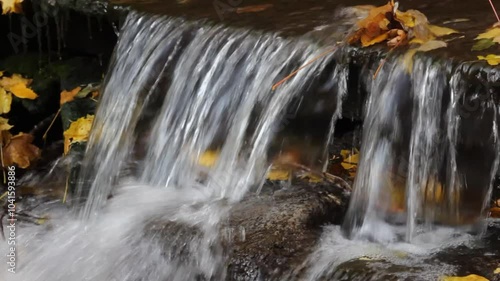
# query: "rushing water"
176,89
409,173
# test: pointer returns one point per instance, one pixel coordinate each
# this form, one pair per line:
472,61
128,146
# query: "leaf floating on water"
425,47
5,101
78,131
440,31
11,6
487,38
483,44
491,59
253,9
20,151
472,277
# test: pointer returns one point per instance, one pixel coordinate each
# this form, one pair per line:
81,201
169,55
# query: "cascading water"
174,90
413,182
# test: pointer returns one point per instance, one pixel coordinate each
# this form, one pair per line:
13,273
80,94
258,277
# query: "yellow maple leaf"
472,277
491,59
78,131
67,96
11,6
489,34
20,151
4,124
5,101
8,82
23,92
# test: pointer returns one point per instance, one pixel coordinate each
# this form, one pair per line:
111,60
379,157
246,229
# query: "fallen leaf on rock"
5,101
491,59
20,151
497,271
350,162
495,212
4,124
23,92
387,23
11,6
78,131
8,82
253,9
276,174
67,96
472,277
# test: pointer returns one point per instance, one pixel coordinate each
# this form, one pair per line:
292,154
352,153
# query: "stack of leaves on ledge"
15,149
396,28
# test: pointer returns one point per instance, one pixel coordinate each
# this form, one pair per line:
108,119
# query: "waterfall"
210,86
175,89
410,173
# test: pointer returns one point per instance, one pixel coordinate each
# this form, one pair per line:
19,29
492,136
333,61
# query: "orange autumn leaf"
7,82
23,92
67,96
19,151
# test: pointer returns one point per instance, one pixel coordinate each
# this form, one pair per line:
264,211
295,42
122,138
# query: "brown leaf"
20,151
253,8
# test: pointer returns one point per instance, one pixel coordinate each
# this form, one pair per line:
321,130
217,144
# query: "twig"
44,137
303,66
494,10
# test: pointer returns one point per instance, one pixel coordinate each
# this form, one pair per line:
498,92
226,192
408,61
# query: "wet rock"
280,229
265,236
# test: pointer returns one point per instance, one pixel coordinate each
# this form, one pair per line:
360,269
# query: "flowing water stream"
176,89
